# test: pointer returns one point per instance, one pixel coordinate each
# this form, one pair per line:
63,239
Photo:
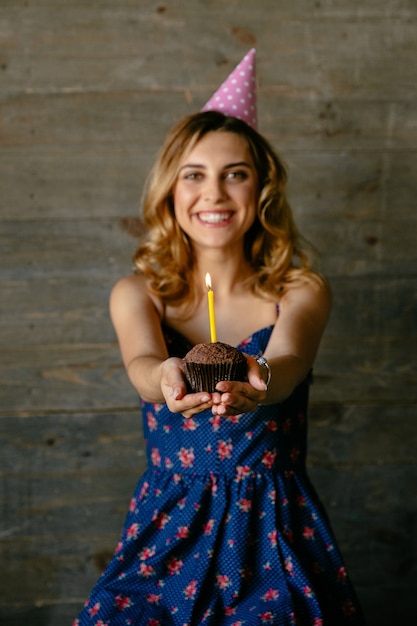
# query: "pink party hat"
237,95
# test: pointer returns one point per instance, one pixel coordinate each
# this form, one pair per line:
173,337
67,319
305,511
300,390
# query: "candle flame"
208,281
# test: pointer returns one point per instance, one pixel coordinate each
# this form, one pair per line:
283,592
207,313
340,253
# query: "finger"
226,410
216,397
238,393
191,404
256,381
235,387
255,374
178,391
172,382
233,404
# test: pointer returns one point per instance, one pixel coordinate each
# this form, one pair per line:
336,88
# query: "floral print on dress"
224,528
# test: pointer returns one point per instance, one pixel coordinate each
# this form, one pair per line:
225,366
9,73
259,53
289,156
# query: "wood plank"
78,121
352,184
341,435
80,444
52,311
52,490
352,436
82,376
64,377
369,314
64,503
109,183
375,308
88,93
54,570
360,512
371,507
78,47
372,514
63,183
354,246
86,377
63,249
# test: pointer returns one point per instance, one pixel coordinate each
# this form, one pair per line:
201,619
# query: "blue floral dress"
224,527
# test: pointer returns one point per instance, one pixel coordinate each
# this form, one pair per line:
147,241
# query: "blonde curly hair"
273,246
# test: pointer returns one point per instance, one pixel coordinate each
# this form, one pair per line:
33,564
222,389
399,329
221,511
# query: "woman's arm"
295,340
291,350
156,376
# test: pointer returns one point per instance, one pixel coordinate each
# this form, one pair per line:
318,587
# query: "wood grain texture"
88,91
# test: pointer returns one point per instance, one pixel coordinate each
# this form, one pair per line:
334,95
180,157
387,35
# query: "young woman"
224,527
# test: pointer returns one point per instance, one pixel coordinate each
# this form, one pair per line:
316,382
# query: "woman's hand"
233,398
174,389
230,397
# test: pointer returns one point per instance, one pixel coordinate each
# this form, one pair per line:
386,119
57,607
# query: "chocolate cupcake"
208,363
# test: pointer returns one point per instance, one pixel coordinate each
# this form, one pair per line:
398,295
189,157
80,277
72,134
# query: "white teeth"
214,218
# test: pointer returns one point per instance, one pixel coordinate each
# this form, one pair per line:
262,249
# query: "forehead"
219,146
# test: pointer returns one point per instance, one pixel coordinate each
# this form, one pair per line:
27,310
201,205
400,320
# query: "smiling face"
216,191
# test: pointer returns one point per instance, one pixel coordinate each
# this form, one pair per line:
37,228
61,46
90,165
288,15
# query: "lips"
215,217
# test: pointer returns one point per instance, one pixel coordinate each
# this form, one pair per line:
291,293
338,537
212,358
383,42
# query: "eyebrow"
226,167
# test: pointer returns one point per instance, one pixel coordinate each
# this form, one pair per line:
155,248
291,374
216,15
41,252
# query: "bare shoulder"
133,284
132,292
313,295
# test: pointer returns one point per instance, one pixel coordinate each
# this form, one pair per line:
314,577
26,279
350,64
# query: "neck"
227,272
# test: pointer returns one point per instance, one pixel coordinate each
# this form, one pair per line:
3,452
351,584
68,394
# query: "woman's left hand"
233,398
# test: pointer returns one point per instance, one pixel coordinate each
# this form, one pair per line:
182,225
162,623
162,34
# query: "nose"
214,189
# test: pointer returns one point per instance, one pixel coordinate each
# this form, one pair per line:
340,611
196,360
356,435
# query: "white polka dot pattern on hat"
237,95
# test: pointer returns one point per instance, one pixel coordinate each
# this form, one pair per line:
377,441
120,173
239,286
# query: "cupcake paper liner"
204,377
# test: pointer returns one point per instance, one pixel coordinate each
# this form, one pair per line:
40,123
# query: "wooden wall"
88,91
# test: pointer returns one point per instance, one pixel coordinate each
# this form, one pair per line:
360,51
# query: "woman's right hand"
174,389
